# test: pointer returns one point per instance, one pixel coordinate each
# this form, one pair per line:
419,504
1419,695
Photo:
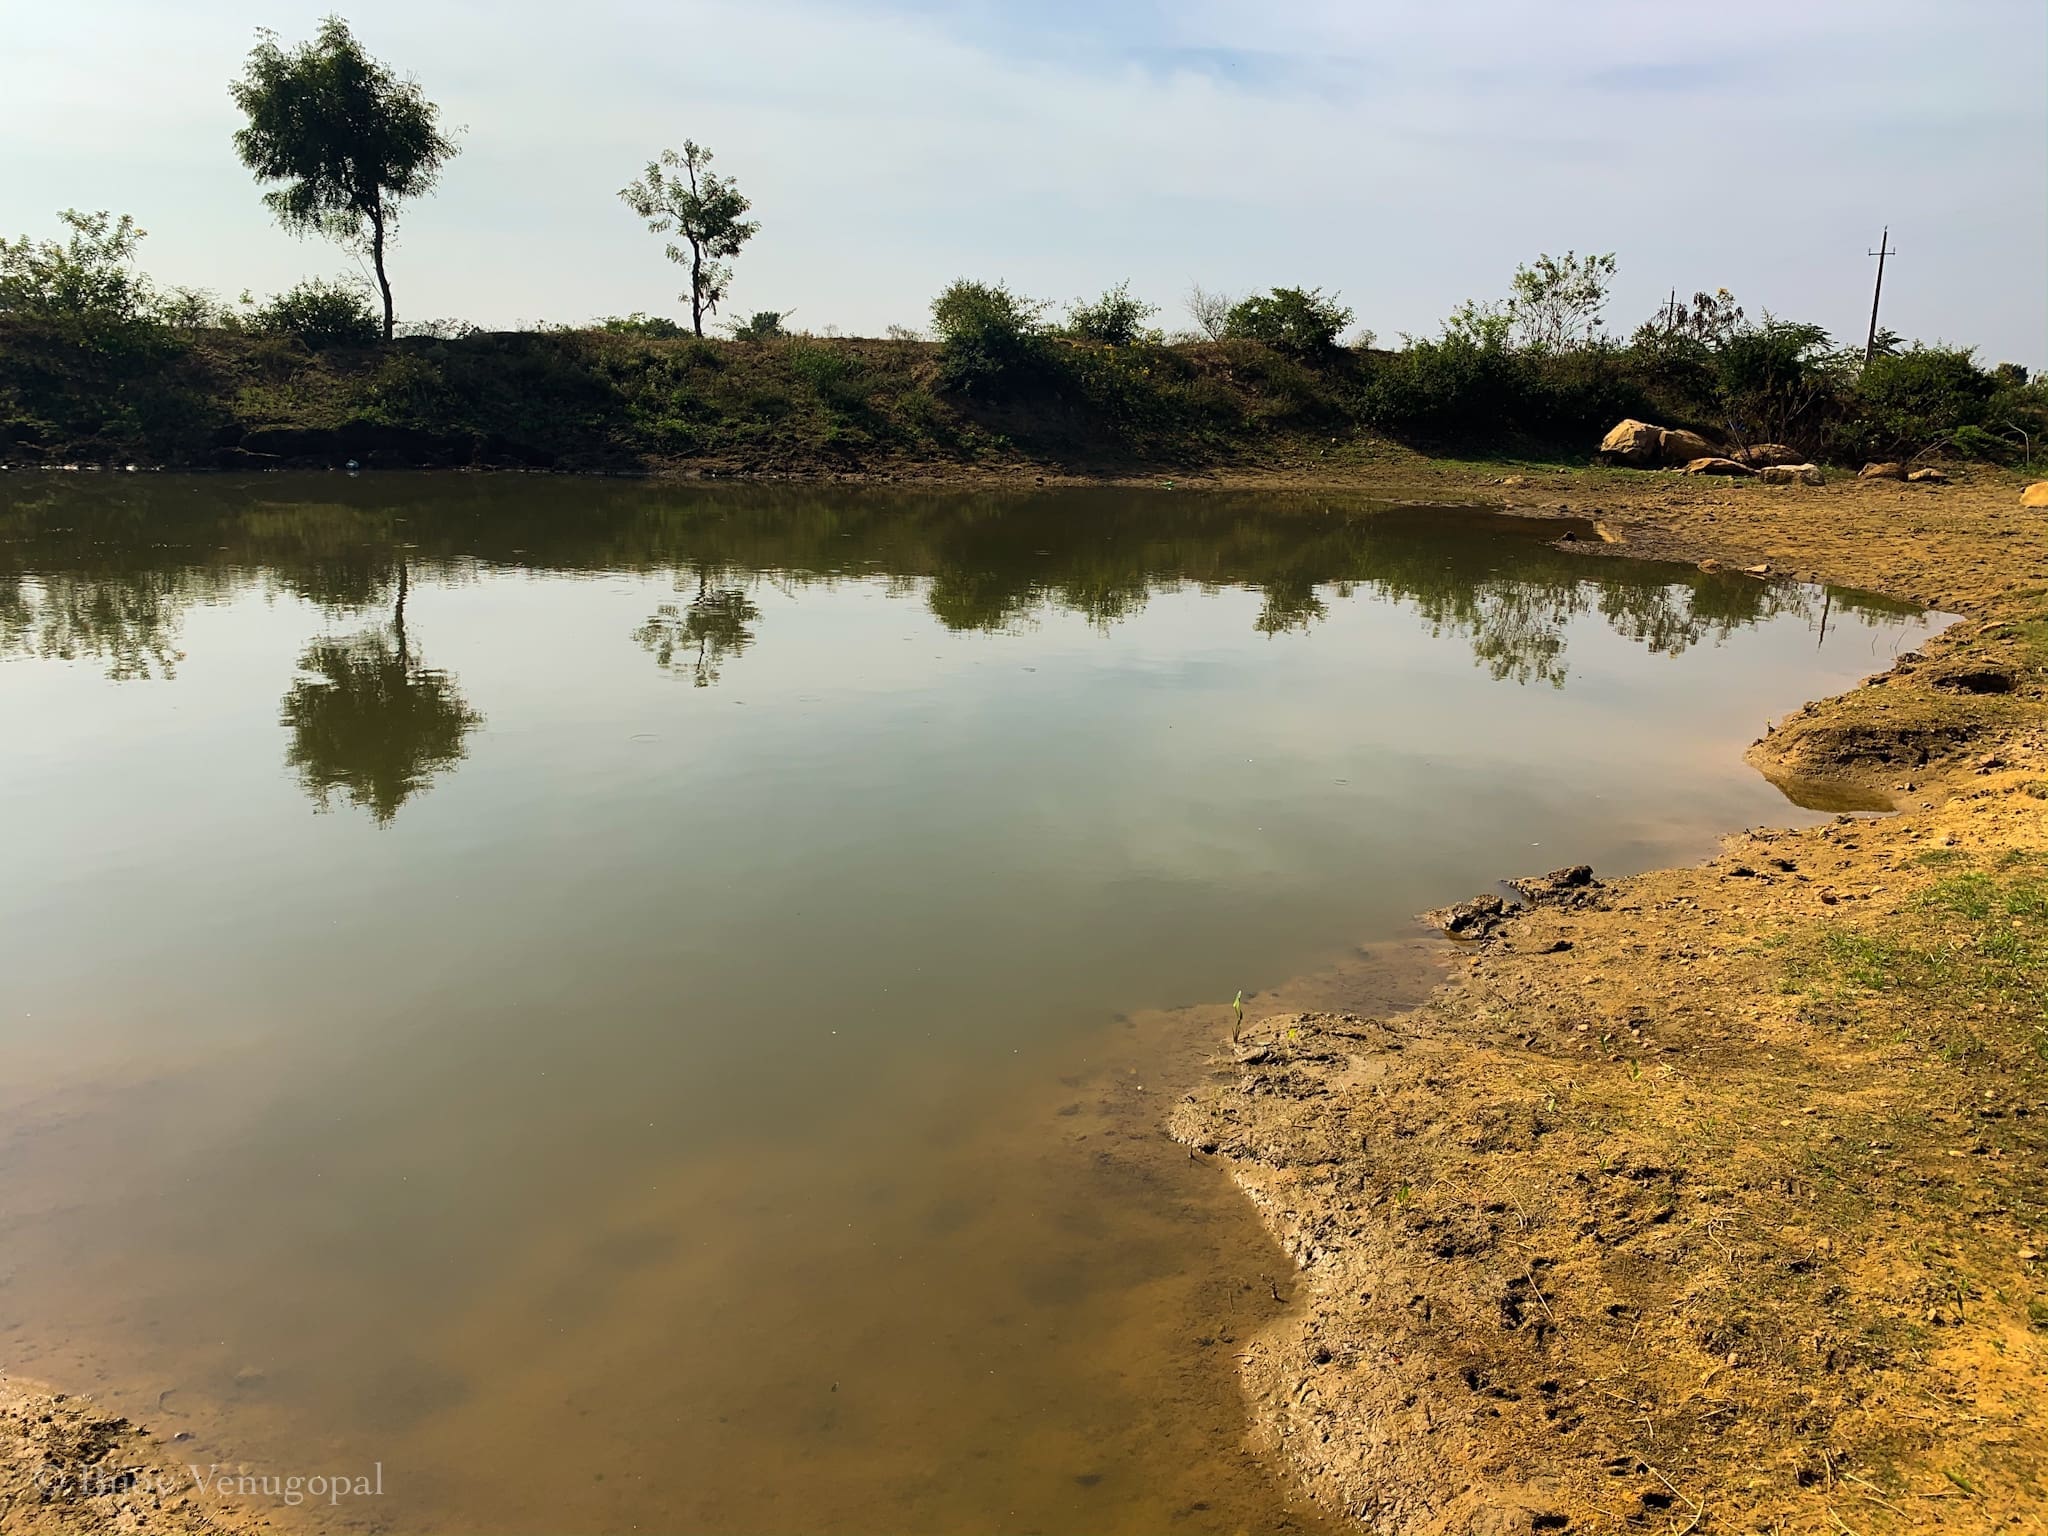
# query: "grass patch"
1967,959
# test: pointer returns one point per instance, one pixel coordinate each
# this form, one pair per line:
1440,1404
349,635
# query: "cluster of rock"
1642,445
1892,471
1484,916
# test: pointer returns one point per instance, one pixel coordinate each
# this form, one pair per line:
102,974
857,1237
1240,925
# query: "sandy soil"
1717,1198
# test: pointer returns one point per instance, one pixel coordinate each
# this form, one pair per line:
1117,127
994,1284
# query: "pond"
651,1007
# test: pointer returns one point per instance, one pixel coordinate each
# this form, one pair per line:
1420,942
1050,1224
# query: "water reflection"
697,637
105,572
369,721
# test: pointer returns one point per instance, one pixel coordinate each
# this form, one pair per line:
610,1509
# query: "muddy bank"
67,1466
1715,1198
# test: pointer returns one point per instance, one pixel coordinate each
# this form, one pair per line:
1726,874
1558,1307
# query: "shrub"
84,291
835,376
321,313
1300,321
654,327
193,309
761,325
990,339
1919,397
1776,382
1116,319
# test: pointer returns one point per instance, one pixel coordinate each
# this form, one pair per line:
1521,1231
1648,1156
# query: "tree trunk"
697,288
398,620
377,261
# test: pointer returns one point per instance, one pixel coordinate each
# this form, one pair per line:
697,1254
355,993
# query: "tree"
1710,321
1210,311
681,193
348,139
1557,301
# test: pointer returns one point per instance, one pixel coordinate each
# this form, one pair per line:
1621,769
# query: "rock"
1711,465
1632,442
1572,886
1790,474
1475,919
1928,477
1764,455
1681,447
2035,495
1886,471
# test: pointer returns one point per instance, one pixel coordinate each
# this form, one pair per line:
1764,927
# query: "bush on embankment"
97,364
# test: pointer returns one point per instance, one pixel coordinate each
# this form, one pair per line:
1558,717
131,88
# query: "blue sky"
1408,154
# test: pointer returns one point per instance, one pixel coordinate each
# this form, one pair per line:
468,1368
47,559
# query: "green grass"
1969,955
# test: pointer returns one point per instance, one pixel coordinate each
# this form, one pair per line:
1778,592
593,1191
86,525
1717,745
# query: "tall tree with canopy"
348,140
681,193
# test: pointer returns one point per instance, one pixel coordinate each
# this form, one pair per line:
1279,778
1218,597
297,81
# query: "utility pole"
1883,243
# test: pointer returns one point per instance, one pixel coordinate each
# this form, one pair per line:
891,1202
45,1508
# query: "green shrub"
654,327
1919,397
761,325
990,340
194,309
834,375
1116,319
85,291
321,313
1300,321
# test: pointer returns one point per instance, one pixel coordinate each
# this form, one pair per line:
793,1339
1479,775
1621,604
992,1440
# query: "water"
650,1008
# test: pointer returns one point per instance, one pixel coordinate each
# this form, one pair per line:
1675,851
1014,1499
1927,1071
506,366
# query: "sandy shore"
1717,1198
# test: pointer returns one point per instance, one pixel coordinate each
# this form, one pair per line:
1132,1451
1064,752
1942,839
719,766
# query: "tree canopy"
680,193
347,138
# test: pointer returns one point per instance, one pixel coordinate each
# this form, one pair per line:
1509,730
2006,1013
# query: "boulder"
1632,442
1764,455
1882,472
1927,477
1676,446
1790,474
2035,495
1712,465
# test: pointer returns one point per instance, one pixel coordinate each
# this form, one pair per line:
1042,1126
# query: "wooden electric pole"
1883,243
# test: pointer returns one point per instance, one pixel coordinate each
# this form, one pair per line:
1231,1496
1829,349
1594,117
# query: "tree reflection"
696,638
368,722
128,622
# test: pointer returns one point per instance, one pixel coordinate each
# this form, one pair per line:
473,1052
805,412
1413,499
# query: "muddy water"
647,1008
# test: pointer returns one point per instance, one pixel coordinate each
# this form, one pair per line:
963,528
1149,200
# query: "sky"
1406,153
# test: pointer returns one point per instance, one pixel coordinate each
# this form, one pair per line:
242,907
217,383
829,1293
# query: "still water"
649,1008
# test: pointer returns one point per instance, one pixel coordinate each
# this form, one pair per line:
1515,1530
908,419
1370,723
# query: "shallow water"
649,1008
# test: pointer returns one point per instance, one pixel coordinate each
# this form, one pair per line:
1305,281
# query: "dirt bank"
67,1468
1716,1198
